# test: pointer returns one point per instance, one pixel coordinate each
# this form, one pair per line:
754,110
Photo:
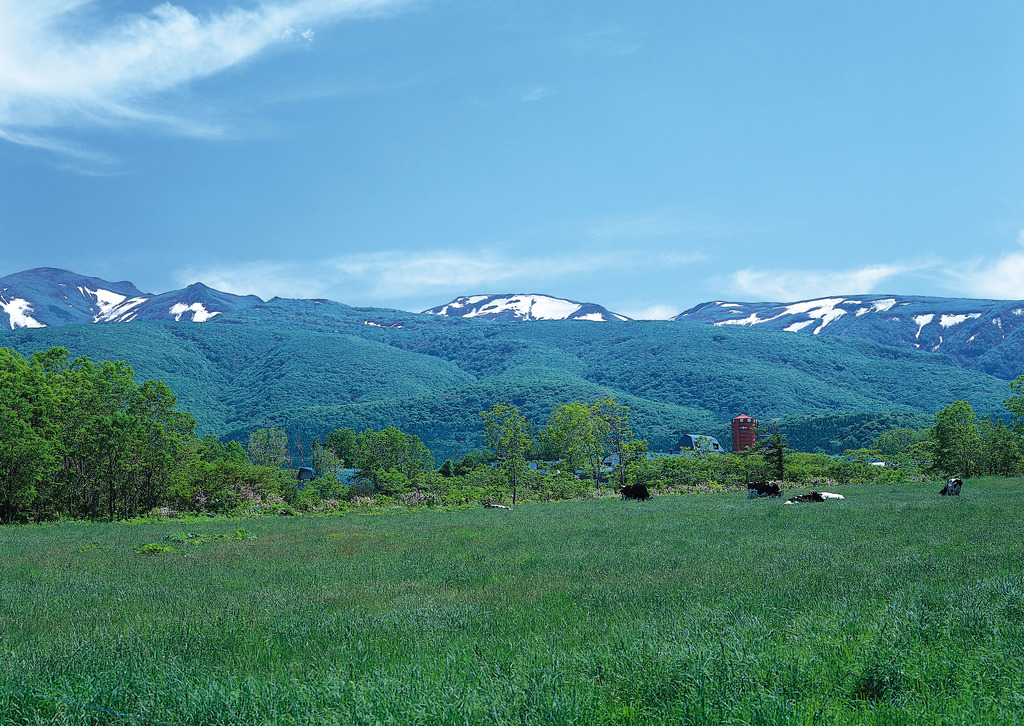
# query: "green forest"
310,369
82,439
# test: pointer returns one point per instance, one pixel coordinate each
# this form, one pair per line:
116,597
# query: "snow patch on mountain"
797,327
751,319
534,307
523,308
948,321
19,313
877,306
112,307
922,320
824,310
199,312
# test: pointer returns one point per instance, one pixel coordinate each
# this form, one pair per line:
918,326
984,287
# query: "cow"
757,489
634,491
813,497
952,488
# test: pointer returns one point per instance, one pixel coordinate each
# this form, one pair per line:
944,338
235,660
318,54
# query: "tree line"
81,439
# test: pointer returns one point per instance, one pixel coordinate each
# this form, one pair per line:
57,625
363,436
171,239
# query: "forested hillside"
313,366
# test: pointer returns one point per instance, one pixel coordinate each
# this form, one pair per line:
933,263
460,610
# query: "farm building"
744,432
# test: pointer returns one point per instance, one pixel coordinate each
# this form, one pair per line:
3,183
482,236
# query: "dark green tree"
27,456
343,443
391,458
1001,450
1015,404
775,456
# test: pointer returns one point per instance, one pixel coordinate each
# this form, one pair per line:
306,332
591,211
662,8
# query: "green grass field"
892,606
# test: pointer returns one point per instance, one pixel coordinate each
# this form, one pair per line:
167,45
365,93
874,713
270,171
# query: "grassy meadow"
892,606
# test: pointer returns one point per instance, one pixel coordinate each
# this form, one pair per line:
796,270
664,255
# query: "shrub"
153,548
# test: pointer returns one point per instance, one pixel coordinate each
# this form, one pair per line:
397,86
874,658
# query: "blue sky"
646,156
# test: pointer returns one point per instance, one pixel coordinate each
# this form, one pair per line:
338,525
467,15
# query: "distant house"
700,442
305,474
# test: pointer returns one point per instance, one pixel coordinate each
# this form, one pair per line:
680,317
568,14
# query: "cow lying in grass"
813,497
952,488
634,491
757,489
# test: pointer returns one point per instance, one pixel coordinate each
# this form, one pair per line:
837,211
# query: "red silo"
744,432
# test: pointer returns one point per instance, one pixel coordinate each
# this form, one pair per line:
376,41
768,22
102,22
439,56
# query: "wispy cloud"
263,278
536,94
1001,279
661,224
647,312
397,273
608,41
64,63
788,285
395,277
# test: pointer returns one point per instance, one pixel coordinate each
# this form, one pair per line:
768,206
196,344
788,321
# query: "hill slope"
983,335
431,376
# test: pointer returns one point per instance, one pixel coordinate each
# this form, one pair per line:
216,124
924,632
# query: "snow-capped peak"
523,308
49,296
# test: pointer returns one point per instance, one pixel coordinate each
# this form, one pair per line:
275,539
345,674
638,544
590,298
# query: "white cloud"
648,312
789,285
1002,279
62,65
607,41
395,277
664,224
395,274
264,279
536,94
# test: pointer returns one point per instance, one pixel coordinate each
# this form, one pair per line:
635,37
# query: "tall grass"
892,606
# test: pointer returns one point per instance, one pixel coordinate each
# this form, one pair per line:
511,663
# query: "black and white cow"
634,491
757,489
813,497
952,488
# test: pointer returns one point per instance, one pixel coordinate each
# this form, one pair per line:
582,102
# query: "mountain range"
834,371
981,335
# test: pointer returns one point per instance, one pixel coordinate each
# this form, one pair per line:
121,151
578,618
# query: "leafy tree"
578,437
957,441
895,445
618,437
343,443
1015,404
1001,450
507,432
381,454
324,461
268,447
26,456
213,449
471,461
